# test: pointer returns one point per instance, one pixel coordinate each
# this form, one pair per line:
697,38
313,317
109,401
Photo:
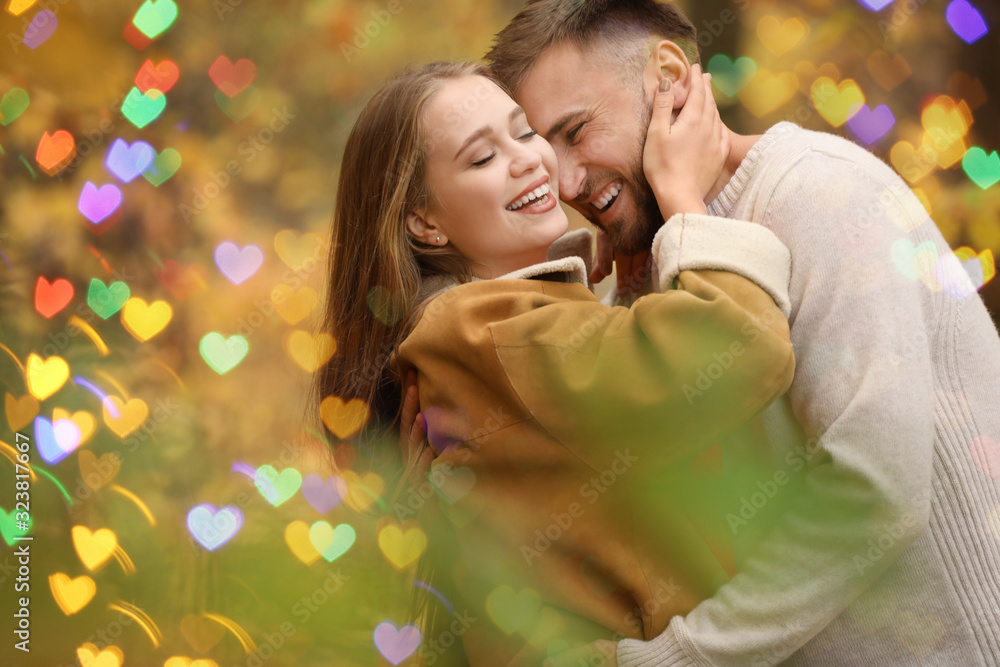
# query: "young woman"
561,414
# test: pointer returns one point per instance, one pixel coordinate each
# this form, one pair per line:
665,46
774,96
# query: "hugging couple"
658,479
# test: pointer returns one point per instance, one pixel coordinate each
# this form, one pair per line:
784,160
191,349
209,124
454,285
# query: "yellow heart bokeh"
912,163
947,149
297,250
343,419
184,661
46,377
985,258
766,91
362,491
310,352
145,321
96,472
546,627
834,101
94,549
83,420
72,595
779,36
297,539
90,656
924,262
18,7
292,306
402,549
20,411
953,118
806,73
888,71
201,633
130,415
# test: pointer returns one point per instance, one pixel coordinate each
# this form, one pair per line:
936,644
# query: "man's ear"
424,231
667,60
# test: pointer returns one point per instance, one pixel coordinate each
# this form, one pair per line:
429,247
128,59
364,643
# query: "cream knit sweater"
891,555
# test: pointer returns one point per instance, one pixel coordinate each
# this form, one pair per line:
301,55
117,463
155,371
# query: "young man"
890,555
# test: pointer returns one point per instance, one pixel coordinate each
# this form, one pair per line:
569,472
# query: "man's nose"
571,178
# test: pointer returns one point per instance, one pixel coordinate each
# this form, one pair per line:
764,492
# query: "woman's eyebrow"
486,130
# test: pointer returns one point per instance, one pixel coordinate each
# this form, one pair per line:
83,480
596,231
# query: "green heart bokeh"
331,542
140,109
983,169
13,105
164,166
277,488
222,354
729,76
8,527
107,300
155,16
239,107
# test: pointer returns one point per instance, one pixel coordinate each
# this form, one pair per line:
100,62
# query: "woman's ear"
423,230
667,60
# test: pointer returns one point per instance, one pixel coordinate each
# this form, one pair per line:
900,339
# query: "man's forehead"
558,83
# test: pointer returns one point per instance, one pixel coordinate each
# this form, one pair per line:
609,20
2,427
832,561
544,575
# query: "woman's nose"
524,160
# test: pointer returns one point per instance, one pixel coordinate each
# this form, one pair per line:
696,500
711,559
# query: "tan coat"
564,416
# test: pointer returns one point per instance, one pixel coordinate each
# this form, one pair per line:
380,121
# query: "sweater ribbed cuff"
691,241
661,651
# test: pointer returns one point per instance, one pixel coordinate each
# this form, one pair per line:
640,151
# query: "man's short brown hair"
621,27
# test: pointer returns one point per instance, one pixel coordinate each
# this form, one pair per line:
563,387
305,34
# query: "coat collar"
569,259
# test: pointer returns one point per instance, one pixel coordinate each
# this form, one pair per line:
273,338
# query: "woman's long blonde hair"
376,267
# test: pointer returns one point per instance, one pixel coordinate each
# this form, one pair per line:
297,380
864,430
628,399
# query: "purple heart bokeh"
40,29
126,162
50,439
954,277
966,20
876,5
323,494
236,264
214,527
396,645
98,204
67,434
871,125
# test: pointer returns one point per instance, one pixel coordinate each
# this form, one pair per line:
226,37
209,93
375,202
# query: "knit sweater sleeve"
862,392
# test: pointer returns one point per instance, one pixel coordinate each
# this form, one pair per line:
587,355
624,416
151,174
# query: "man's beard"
631,237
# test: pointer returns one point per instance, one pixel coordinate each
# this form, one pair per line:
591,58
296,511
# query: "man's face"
596,121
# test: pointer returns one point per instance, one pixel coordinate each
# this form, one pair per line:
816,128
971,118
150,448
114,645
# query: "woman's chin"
560,225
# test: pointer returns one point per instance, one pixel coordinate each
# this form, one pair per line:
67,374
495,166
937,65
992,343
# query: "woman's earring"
439,239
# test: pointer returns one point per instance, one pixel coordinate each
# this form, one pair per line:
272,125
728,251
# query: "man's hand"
601,653
633,270
412,433
682,161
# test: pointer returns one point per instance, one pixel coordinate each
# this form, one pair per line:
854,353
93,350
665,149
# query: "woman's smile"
536,198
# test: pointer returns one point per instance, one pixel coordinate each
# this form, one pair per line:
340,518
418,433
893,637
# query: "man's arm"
863,392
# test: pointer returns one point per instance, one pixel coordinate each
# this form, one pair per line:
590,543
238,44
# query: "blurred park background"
167,178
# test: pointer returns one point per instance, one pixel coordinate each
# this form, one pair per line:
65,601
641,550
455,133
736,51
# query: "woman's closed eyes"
485,160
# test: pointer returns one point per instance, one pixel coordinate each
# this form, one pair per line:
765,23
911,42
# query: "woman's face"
493,182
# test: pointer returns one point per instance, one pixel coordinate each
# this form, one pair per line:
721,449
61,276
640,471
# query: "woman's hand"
682,161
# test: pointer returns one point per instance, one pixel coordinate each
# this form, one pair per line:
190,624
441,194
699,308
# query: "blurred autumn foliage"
178,281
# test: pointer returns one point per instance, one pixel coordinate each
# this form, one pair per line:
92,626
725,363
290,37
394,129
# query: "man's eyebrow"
565,120
486,130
